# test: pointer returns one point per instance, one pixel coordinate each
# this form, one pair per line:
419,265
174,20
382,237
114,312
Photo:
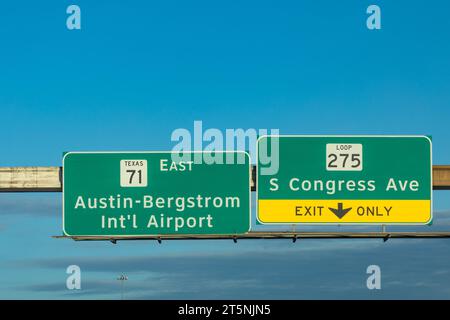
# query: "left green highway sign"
155,193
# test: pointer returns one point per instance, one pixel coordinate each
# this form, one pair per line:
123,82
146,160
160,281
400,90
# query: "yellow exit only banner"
344,211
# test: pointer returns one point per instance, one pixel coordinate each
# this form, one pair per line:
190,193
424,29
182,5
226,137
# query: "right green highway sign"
347,180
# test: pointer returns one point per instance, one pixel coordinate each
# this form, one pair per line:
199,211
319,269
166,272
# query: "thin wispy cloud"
271,274
30,204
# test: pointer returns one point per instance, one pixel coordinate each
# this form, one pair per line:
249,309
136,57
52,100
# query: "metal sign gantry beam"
441,177
30,179
49,179
274,235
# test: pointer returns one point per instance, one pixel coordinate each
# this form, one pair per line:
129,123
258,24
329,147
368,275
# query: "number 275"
355,160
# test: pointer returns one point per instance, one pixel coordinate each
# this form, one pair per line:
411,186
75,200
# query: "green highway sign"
346,180
155,193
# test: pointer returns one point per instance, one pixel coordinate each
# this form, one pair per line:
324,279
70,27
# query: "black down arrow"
340,212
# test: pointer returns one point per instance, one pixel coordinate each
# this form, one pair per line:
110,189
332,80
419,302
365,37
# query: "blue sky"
138,70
